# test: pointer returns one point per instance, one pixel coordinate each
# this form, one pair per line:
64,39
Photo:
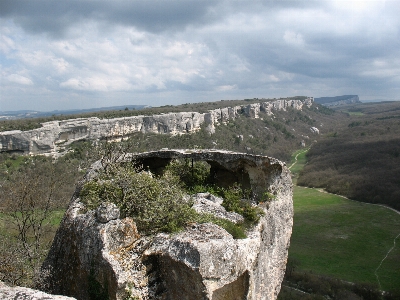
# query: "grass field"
345,239
355,113
297,162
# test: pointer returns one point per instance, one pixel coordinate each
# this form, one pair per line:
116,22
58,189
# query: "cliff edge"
53,136
97,253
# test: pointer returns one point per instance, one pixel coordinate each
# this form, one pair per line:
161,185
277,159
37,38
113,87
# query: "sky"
76,54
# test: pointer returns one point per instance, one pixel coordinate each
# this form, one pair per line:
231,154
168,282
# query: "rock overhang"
202,262
257,172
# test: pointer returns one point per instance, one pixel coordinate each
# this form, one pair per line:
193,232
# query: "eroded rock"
23,293
314,130
208,203
53,136
96,254
107,212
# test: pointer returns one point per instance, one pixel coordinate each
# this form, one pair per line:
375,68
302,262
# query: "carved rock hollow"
97,253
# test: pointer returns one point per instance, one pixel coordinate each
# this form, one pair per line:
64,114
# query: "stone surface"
53,136
91,258
314,130
208,203
23,293
107,212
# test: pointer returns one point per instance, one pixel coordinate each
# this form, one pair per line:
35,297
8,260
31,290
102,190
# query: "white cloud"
383,69
15,78
6,43
226,87
294,39
96,84
60,64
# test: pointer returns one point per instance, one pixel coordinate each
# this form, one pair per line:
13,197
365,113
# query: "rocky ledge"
98,254
53,136
23,293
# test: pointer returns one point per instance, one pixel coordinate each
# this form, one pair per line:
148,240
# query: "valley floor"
342,238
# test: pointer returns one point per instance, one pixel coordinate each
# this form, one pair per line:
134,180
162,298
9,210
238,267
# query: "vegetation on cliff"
155,203
202,107
162,203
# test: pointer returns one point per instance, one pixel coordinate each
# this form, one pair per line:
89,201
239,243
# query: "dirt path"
387,254
295,158
295,289
344,197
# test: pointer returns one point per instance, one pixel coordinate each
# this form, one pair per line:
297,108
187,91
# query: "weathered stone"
107,212
53,136
210,197
23,293
314,130
201,262
208,203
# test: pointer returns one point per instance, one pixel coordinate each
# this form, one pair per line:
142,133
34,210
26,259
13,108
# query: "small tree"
28,197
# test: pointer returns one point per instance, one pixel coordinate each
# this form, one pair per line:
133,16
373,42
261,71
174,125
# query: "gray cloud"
61,54
56,17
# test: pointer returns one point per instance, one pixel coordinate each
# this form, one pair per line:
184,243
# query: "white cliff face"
202,262
314,130
55,135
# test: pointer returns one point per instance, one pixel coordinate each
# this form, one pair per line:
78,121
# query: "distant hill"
338,100
22,114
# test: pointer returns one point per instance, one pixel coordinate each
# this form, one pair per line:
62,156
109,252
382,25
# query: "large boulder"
96,254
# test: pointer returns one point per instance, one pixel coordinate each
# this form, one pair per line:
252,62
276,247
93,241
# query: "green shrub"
236,230
156,204
238,200
161,204
196,179
191,173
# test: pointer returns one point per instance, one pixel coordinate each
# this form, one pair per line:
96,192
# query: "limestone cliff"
99,254
54,136
338,100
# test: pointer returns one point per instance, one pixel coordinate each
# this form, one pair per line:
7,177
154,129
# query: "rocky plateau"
96,253
54,136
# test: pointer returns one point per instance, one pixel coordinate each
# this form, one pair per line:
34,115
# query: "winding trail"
295,158
392,209
387,254
295,289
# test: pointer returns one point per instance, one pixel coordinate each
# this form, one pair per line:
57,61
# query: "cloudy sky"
90,53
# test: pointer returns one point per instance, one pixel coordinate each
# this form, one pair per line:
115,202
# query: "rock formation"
53,136
99,254
338,100
314,130
23,293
